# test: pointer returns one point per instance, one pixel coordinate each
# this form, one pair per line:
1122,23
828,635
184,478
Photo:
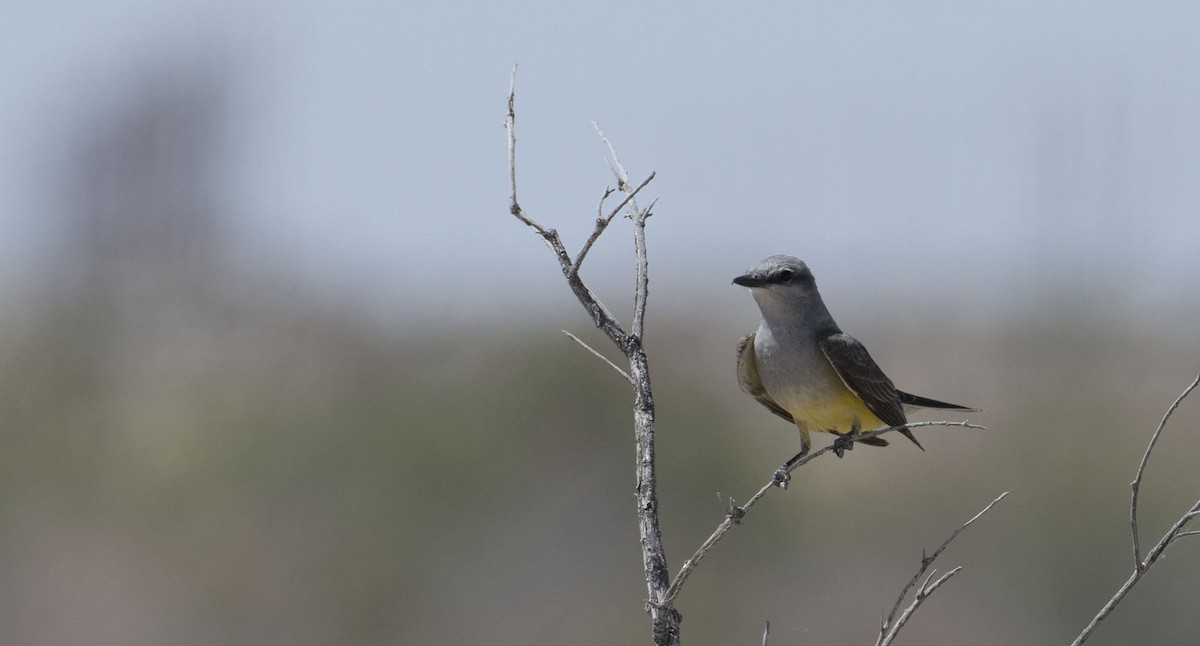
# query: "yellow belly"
833,410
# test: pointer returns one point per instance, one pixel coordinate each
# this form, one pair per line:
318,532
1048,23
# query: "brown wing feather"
863,377
747,369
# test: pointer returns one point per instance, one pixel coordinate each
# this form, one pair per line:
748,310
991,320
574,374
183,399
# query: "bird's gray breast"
793,369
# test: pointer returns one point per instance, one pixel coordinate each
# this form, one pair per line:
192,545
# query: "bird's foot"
782,477
844,443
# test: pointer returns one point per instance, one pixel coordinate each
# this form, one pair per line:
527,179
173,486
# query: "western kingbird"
802,367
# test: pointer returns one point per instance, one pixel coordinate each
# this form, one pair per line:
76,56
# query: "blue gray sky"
914,149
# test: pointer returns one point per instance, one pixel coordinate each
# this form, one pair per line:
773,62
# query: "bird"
802,367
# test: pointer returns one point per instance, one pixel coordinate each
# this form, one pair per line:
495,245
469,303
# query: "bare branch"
1171,536
664,618
601,225
832,448
736,513
638,216
1175,532
602,357
888,629
614,164
766,632
642,281
600,314
928,589
510,123
602,220
1137,479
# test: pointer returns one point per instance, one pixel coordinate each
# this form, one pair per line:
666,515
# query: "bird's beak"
749,280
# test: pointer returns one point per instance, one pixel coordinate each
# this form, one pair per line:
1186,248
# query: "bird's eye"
785,275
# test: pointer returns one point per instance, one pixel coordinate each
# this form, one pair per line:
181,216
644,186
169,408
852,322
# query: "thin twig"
600,314
928,589
602,220
510,123
1137,479
642,284
888,629
832,448
614,163
601,225
766,632
1142,565
736,513
638,216
922,593
602,357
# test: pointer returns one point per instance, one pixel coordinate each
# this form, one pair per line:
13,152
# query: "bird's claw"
844,443
782,478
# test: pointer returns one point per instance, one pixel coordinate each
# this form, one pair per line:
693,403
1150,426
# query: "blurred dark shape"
144,184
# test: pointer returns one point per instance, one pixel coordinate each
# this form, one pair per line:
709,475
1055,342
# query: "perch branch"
736,513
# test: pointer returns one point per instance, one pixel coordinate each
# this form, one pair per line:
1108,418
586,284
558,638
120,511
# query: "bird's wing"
747,369
918,401
852,362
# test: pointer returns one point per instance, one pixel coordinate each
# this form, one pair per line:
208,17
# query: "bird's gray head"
779,272
784,287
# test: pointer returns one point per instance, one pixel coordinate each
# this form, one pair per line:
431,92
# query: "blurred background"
278,367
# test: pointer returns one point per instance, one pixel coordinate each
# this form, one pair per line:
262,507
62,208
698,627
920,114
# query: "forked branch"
890,626
1142,564
663,616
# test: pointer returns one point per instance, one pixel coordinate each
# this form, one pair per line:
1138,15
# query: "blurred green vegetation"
201,468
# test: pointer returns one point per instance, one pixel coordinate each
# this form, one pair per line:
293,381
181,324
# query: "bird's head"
781,284
779,272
